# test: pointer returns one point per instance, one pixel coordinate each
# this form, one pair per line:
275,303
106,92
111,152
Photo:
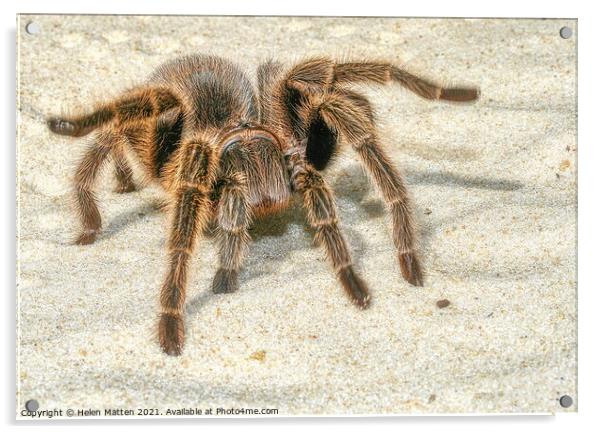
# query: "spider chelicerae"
227,151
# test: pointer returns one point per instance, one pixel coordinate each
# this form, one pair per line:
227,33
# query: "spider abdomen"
214,90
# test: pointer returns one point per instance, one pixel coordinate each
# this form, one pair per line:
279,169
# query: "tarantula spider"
226,152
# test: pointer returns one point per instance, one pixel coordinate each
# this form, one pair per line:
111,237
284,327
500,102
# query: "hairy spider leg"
320,207
197,165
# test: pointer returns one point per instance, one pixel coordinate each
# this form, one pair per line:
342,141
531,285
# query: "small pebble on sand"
258,355
443,303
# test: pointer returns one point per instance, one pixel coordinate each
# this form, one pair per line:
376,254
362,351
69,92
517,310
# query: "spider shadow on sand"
127,218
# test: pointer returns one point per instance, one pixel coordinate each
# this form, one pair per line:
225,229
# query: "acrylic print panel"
491,184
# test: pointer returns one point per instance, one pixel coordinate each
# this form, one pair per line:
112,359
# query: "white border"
590,301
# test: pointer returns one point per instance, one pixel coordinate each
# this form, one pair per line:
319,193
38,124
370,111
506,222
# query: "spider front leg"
195,175
351,114
233,237
319,204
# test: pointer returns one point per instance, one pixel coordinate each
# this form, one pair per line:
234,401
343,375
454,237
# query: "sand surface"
495,192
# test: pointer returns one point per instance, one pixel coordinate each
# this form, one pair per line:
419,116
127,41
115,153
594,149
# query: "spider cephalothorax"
227,152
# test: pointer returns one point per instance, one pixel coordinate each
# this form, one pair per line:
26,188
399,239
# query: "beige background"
495,192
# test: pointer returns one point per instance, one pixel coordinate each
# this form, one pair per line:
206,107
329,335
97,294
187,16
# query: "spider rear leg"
133,105
196,169
351,114
321,212
123,172
78,126
381,73
85,178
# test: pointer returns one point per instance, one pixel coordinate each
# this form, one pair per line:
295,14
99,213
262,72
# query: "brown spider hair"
227,152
